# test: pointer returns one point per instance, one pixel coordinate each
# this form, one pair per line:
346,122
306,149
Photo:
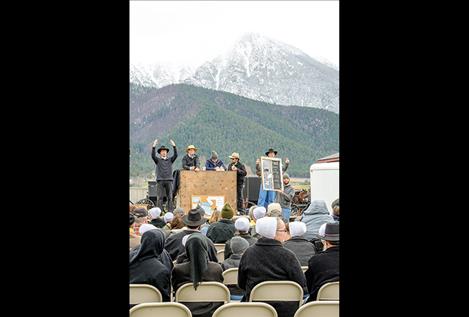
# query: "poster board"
208,203
271,173
208,183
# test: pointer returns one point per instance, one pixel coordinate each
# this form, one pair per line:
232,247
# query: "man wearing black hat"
164,174
323,267
267,197
193,220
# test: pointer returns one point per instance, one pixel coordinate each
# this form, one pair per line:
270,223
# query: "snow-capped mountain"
264,69
259,68
157,75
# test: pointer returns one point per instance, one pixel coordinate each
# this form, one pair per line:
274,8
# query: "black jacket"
268,260
174,245
246,237
221,231
145,266
322,268
302,248
187,162
181,275
240,173
164,168
231,262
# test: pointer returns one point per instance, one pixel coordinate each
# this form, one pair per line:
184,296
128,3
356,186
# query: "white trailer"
324,179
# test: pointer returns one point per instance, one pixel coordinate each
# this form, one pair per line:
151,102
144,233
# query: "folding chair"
144,293
230,279
230,276
219,246
277,291
319,309
160,309
329,292
245,309
221,255
206,292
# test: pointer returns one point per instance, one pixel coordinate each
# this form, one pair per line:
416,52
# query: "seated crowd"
170,250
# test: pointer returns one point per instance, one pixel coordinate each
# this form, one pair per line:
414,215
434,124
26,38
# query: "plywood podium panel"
204,183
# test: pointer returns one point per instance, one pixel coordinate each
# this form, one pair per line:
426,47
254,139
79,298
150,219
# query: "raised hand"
287,161
172,142
155,142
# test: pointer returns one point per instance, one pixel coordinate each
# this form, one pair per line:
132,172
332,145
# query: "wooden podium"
206,183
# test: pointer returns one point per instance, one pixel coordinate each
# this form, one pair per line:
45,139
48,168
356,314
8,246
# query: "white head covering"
259,212
322,230
274,210
168,217
297,228
155,212
267,227
184,239
242,224
145,227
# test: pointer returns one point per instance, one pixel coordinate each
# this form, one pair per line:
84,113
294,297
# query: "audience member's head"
168,217
242,224
179,212
330,235
197,253
259,212
238,245
227,212
281,232
297,229
155,212
194,219
335,208
267,227
274,210
146,227
251,212
141,215
216,215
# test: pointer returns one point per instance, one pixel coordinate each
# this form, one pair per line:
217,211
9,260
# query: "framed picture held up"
271,173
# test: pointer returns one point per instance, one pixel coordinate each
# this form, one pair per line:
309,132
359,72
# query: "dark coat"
268,260
221,231
158,222
164,168
302,248
322,268
210,165
181,275
231,262
246,236
145,266
187,161
240,173
174,245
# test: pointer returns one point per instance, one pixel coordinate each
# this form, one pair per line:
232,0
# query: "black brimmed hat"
270,151
194,218
162,148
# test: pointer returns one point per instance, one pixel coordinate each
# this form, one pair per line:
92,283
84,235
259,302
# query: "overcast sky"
192,32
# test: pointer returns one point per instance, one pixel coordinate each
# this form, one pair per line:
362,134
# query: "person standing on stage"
268,196
164,174
235,165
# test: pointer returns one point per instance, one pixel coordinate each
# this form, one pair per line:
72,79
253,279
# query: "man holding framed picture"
267,192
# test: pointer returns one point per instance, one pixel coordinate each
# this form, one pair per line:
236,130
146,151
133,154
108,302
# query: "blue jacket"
210,165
